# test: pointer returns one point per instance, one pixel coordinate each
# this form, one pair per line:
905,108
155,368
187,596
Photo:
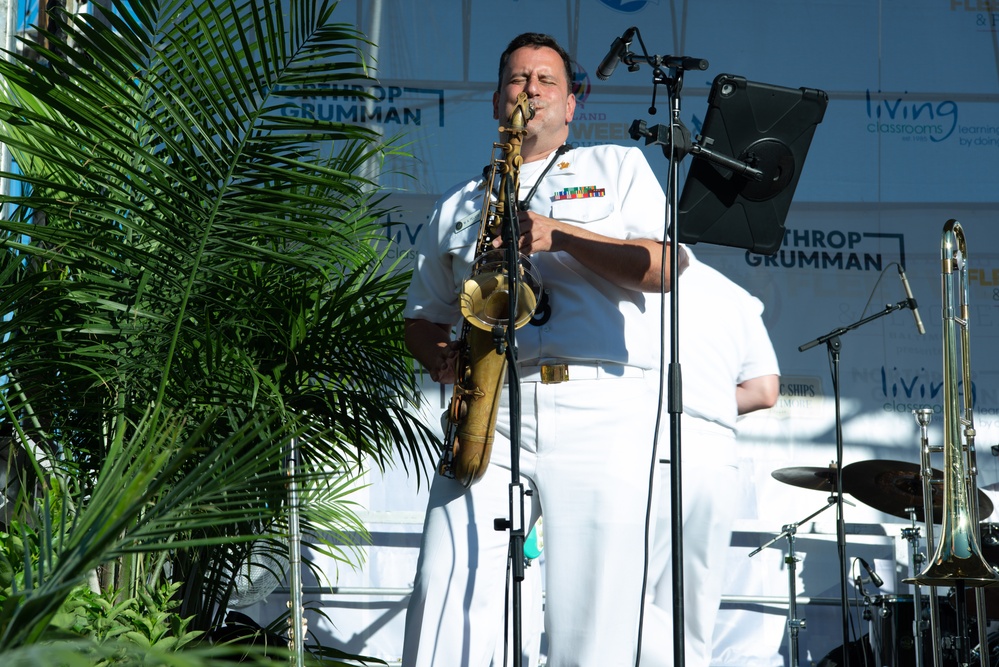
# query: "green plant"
190,281
144,621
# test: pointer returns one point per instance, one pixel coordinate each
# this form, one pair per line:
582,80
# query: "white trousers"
710,488
587,454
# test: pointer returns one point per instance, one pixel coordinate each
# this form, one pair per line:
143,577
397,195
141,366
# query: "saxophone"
485,306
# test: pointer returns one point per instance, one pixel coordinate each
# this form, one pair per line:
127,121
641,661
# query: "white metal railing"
359,591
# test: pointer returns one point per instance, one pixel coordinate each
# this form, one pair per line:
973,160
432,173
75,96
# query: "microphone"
875,579
912,300
618,48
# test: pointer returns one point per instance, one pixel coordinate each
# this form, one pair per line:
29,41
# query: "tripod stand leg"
794,624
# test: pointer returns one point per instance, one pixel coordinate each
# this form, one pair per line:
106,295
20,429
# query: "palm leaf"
187,257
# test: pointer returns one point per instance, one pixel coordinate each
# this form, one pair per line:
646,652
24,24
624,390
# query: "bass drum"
857,653
890,641
893,630
993,651
989,541
892,636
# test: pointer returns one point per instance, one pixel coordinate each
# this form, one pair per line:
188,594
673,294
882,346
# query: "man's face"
539,72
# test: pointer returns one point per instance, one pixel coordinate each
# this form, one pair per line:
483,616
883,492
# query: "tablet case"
768,127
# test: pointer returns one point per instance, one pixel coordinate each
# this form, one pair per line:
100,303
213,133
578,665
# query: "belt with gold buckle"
554,373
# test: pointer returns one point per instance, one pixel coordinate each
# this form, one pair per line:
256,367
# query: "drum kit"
947,501
900,489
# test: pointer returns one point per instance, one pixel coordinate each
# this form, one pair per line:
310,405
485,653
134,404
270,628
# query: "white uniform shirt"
610,190
723,337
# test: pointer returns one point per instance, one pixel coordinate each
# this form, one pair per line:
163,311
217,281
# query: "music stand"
767,127
747,162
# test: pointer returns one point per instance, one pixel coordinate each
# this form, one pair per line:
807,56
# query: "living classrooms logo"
904,390
911,120
925,121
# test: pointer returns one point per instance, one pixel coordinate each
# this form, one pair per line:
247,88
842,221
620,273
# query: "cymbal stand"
794,624
911,535
961,641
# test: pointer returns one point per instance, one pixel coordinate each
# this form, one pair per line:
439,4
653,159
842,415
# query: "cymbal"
894,486
817,479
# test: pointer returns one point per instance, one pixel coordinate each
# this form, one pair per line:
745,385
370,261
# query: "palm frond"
191,265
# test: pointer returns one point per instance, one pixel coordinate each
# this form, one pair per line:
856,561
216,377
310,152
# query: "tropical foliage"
190,284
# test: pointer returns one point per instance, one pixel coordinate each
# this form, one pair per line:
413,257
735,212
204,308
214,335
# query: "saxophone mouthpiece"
530,110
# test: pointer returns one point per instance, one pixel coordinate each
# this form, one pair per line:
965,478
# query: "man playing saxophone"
592,224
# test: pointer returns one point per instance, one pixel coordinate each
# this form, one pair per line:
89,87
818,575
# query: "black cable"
655,447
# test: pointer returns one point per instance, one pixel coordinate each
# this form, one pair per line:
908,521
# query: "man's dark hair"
536,40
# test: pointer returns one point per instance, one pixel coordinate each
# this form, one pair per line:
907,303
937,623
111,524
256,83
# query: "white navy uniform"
586,444
723,342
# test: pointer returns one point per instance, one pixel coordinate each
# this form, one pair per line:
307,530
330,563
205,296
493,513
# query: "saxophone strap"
525,203
543,311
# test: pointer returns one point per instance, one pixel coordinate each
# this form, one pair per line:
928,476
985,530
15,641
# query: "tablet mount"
746,165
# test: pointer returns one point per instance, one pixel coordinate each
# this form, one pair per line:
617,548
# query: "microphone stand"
833,343
676,144
505,340
794,624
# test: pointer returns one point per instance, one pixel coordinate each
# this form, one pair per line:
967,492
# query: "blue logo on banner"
627,6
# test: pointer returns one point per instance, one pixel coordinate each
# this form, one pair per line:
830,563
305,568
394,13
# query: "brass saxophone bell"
485,293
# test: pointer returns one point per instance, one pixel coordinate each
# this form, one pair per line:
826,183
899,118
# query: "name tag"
463,223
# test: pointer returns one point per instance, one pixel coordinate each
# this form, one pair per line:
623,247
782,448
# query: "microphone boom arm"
682,145
889,308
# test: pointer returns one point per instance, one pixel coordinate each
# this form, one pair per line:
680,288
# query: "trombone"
957,560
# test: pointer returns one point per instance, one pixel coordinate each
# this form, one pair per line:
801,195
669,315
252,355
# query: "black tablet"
766,127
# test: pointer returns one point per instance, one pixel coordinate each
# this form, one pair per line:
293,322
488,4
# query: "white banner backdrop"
910,139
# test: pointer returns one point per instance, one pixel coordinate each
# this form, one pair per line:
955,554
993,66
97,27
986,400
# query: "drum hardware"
991,650
891,643
907,491
794,624
914,491
923,417
892,640
916,559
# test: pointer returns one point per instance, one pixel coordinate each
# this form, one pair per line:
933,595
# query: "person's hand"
536,233
629,263
431,345
443,368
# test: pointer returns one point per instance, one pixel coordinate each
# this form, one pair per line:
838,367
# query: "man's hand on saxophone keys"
431,345
633,264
